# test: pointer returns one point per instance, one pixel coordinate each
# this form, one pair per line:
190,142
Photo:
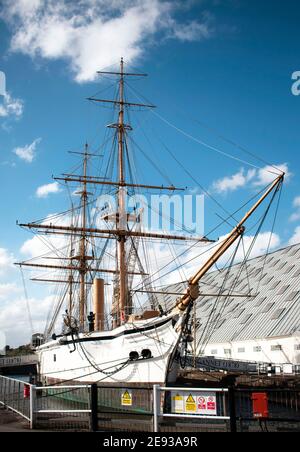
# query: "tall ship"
107,325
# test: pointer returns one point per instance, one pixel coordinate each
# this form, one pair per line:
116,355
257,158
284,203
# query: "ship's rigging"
89,251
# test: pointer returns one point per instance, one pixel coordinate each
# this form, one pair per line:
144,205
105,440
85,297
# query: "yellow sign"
190,404
177,403
126,398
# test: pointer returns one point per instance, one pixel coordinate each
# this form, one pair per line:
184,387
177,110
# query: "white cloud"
191,261
40,245
6,260
234,182
11,108
8,289
296,215
14,318
295,239
296,202
45,190
258,178
27,152
93,34
267,174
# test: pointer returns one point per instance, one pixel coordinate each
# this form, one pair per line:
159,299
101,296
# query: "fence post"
94,407
32,407
231,408
156,407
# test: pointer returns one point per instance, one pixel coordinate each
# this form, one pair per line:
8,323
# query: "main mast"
83,251
121,215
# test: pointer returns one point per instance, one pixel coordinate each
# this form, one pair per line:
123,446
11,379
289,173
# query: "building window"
241,350
276,348
277,313
214,352
257,349
297,347
291,296
246,318
227,351
260,301
275,285
267,307
283,290
54,358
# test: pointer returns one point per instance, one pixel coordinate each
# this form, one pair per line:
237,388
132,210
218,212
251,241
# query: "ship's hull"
103,357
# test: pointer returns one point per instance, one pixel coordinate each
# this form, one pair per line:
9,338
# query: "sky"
220,72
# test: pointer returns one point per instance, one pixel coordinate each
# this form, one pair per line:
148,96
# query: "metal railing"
61,407
159,404
48,406
157,409
17,396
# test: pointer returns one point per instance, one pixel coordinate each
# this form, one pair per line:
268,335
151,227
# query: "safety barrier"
189,403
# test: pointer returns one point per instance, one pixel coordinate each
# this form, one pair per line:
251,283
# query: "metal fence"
189,407
157,409
15,395
62,407
283,407
52,407
125,409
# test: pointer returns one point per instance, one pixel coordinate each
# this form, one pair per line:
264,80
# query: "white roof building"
263,327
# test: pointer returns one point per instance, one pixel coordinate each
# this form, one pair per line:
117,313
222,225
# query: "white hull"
103,357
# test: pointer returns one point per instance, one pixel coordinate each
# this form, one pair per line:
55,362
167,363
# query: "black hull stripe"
123,333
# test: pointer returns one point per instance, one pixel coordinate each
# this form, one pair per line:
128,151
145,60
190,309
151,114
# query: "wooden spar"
117,232
60,281
192,292
96,181
121,104
161,292
70,267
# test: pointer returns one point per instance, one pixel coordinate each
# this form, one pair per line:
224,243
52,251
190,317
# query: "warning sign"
177,403
211,403
126,398
207,403
204,402
190,404
201,403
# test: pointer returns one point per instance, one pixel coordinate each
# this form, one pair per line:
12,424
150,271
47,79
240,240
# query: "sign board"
126,398
177,403
194,402
190,404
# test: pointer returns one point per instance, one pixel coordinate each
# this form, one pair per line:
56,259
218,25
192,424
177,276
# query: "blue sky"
216,68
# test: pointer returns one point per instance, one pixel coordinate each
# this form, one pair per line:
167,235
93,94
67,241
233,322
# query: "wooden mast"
121,216
83,251
192,292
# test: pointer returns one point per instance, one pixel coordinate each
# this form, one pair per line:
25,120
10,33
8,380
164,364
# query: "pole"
82,307
231,409
94,407
121,208
156,408
32,407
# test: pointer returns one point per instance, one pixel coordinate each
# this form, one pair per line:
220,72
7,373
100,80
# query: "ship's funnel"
98,300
